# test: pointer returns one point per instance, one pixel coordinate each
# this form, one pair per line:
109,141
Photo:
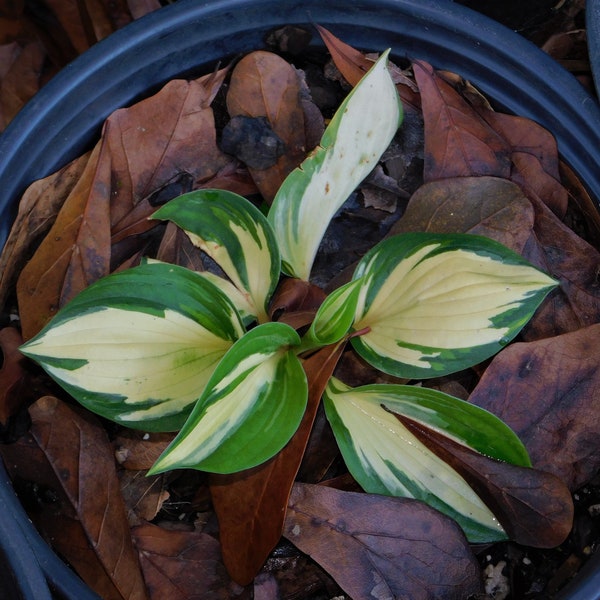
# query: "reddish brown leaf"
458,142
487,206
534,154
21,81
11,374
183,564
143,496
547,391
138,451
296,302
142,149
534,507
353,64
584,202
69,456
75,252
264,85
37,211
177,248
381,547
251,505
556,249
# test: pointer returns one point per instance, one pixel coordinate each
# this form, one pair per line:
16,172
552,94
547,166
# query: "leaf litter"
465,168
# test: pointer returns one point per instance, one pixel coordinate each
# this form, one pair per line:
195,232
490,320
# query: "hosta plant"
162,348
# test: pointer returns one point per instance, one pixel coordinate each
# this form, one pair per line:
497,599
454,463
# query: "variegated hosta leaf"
437,303
139,346
250,408
236,235
335,316
386,458
353,142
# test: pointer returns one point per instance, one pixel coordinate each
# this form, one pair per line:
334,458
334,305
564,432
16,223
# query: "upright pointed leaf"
434,304
235,234
139,346
250,408
335,316
356,137
386,458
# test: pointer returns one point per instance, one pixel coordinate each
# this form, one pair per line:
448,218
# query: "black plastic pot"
191,36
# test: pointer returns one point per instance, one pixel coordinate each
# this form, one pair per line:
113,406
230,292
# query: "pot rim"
56,125
516,74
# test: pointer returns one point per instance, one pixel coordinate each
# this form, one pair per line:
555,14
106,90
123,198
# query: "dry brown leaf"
68,456
458,142
534,507
489,206
20,78
12,375
38,209
143,496
353,64
556,249
264,85
138,451
183,565
74,253
382,547
547,392
142,149
250,505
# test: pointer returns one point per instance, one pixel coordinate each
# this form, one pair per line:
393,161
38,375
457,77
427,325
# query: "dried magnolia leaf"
295,302
251,505
37,211
138,451
382,547
264,85
547,392
143,496
75,252
183,564
458,142
20,82
143,148
12,374
68,455
534,507
489,206
353,64
556,249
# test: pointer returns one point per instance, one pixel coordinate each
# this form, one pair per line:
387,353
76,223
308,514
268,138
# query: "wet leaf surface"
381,547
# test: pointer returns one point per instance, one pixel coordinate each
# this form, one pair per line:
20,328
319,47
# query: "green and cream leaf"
360,131
139,346
434,304
236,235
335,316
386,458
250,408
